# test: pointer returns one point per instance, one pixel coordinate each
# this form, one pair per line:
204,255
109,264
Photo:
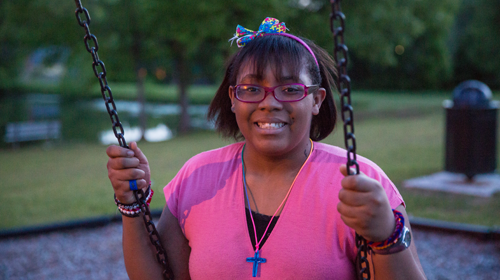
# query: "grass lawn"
402,133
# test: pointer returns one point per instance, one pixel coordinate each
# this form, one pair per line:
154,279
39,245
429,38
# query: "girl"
278,204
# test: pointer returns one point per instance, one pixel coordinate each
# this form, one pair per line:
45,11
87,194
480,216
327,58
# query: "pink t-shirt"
309,241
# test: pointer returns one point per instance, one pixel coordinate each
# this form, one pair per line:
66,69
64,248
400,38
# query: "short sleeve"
173,188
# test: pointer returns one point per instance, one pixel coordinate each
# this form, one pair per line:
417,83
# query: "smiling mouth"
270,125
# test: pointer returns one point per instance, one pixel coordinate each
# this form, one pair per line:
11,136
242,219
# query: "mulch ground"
96,254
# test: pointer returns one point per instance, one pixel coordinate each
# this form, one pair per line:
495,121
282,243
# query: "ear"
232,97
231,93
318,98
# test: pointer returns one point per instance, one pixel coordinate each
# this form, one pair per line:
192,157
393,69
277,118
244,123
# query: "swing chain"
154,237
100,73
344,87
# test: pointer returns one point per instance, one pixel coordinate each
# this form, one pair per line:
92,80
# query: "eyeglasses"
283,93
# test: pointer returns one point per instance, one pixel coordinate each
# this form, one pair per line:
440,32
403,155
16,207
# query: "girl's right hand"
125,165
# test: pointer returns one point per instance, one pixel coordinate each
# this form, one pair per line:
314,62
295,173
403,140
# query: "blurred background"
164,61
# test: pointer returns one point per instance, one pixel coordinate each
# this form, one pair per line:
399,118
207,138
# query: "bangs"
278,52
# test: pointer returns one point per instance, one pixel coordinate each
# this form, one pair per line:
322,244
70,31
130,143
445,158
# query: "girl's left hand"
364,207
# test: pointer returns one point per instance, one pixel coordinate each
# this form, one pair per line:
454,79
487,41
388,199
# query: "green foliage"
29,25
477,53
201,28
375,28
26,25
167,31
125,37
429,55
22,21
160,35
426,61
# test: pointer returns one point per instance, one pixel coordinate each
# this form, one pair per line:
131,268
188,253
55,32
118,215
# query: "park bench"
31,131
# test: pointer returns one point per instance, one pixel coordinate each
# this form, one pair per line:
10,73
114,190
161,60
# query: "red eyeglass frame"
267,90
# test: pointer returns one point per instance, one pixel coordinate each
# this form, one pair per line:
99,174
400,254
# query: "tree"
187,27
477,55
432,56
375,28
129,43
28,25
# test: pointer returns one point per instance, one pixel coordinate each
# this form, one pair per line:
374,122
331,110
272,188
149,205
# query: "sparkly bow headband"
270,26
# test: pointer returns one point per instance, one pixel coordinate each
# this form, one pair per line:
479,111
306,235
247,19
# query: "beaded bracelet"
134,209
394,238
146,193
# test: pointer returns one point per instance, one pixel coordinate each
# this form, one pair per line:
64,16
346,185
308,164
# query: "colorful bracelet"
397,242
400,222
134,209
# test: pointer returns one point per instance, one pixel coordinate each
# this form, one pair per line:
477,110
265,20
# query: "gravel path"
96,254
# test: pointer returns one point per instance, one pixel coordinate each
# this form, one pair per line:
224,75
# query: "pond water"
88,120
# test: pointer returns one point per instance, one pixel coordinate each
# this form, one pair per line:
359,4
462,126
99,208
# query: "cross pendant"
256,260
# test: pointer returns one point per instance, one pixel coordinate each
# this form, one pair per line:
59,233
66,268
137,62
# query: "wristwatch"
401,244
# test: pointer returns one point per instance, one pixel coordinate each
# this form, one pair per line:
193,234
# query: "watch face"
406,237
401,244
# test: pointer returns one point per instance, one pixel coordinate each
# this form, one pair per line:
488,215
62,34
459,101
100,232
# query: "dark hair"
278,51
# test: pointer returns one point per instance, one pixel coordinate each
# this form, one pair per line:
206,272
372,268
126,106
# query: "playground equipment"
344,87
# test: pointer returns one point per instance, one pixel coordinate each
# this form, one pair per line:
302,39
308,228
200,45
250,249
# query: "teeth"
271,125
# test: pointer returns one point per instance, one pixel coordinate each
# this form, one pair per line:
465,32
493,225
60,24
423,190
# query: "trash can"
471,130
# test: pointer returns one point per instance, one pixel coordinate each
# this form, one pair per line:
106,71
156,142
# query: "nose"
270,102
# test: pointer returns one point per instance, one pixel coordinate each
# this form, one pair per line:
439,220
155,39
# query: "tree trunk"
140,76
182,77
141,99
140,72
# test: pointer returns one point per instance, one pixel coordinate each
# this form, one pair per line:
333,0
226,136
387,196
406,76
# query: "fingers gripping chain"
100,72
337,27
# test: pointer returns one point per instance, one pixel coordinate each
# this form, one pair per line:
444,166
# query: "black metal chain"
154,237
344,87
100,73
